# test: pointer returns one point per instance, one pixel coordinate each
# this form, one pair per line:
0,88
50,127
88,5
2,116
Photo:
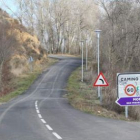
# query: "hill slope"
16,46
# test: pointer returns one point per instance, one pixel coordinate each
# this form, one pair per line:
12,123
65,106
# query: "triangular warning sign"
101,81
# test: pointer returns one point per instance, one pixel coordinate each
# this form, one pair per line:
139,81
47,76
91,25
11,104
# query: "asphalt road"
42,113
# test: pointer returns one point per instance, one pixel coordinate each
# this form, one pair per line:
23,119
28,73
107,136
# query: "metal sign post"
31,67
82,45
101,96
86,55
98,44
128,85
31,63
126,111
101,82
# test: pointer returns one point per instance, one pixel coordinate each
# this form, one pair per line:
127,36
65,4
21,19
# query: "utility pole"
82,45
98,46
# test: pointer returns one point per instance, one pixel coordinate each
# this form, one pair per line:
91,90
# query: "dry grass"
16,63
110,93
134,112
84,97
110,96
21,83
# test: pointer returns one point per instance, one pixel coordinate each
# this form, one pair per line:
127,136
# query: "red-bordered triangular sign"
101,81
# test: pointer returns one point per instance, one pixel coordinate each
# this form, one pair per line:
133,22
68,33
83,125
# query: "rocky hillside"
16,47
25,44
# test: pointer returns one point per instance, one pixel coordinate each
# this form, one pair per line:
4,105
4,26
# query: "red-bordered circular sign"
130,90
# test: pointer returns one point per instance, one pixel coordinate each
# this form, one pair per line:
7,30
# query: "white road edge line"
38,111
43,121
57,136
39,115
36,102
49,127
23,99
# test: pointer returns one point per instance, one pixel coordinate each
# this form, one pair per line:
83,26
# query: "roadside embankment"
83,96
22,82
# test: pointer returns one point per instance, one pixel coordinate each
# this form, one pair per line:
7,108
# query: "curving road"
41,113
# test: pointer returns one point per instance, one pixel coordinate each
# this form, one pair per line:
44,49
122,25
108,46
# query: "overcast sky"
9,3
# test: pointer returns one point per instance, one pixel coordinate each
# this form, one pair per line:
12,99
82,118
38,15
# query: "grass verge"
24,81
83,96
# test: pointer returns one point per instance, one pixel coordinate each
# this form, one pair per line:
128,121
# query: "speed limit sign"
130,90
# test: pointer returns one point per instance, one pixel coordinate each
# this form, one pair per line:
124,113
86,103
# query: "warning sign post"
101,81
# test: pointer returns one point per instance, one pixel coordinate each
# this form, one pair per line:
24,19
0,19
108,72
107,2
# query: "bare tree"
59,24
120,48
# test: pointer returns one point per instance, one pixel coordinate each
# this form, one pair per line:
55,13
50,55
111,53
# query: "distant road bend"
41,113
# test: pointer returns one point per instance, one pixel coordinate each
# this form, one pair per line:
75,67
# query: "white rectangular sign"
30,59
128,85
